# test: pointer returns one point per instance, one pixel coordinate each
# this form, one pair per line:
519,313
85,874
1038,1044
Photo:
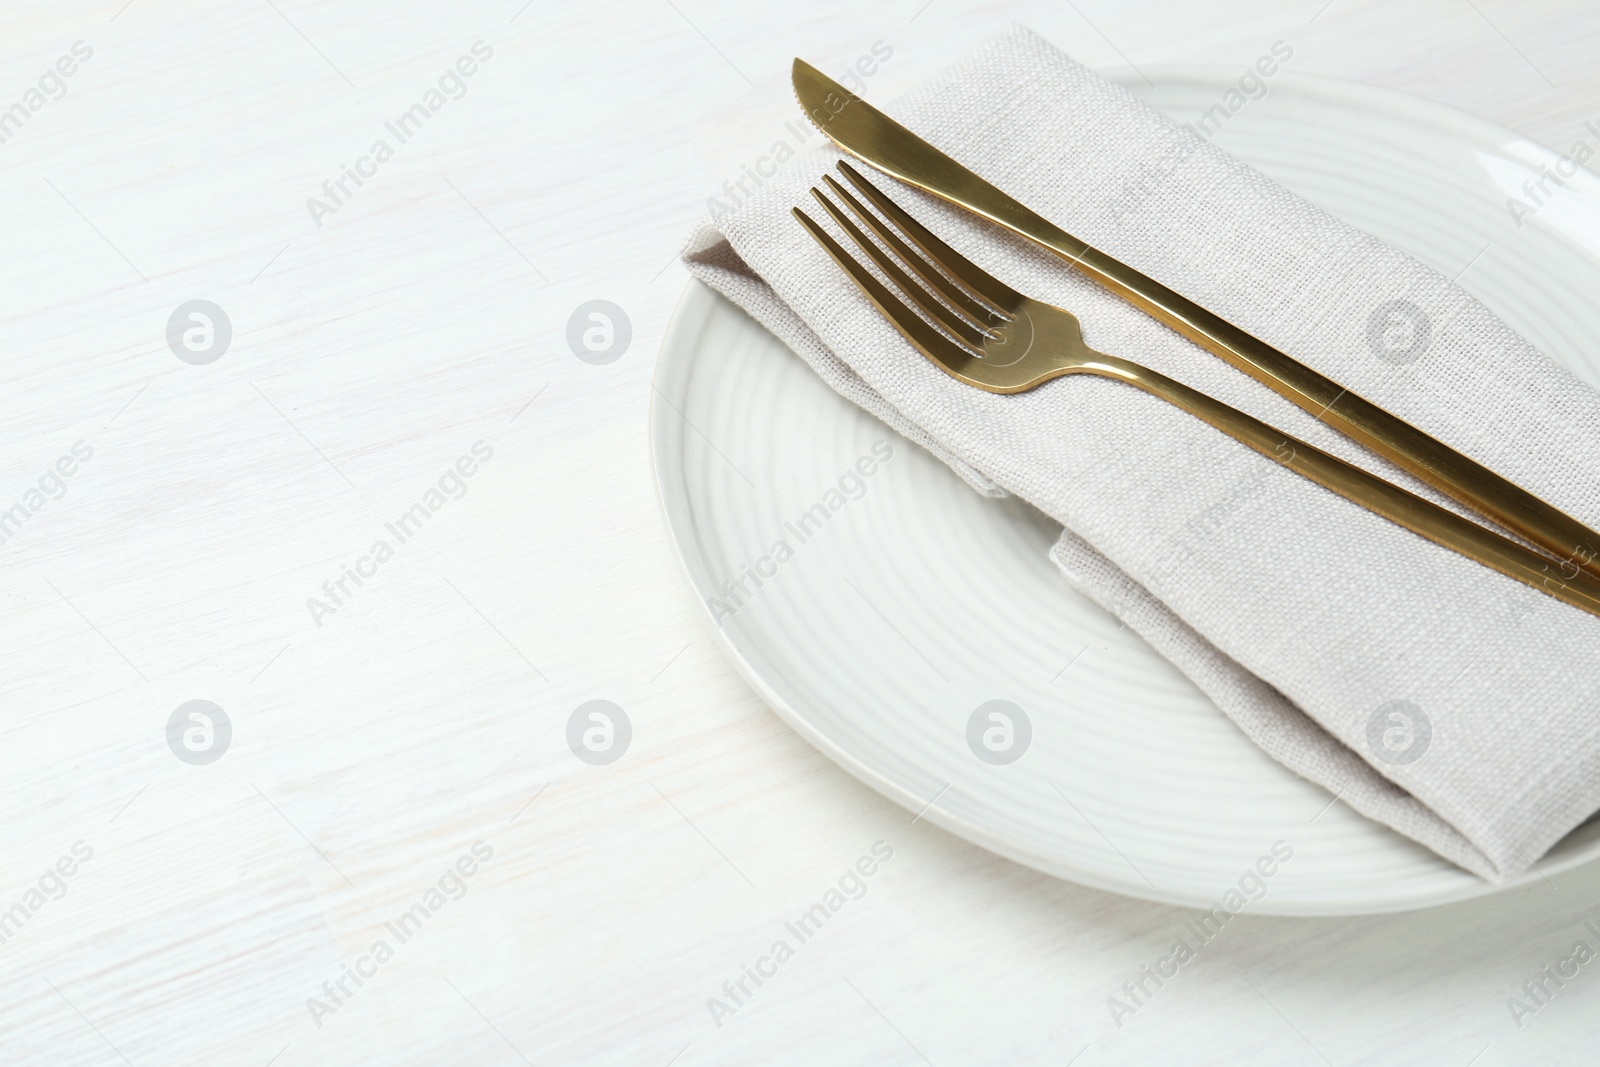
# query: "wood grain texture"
369,753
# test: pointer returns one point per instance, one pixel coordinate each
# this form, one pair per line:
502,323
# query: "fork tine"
929,341
980,281
953,293
944,316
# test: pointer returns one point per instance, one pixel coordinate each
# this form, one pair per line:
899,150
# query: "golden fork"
984,333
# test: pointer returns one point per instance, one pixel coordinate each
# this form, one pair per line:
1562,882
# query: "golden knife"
877,140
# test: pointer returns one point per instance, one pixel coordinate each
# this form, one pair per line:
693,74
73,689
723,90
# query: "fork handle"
1422,517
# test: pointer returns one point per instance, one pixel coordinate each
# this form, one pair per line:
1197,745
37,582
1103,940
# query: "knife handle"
1574,546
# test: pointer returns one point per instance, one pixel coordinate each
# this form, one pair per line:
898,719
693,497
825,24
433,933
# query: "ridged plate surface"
877,631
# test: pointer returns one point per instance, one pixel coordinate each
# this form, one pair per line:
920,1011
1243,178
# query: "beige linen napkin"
1454,704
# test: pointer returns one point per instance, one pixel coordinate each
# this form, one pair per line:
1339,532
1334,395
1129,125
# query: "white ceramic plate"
916,600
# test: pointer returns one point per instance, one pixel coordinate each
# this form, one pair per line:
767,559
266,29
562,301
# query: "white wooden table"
398,770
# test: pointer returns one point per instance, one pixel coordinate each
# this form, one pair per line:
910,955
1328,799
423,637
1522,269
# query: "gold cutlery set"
984,333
